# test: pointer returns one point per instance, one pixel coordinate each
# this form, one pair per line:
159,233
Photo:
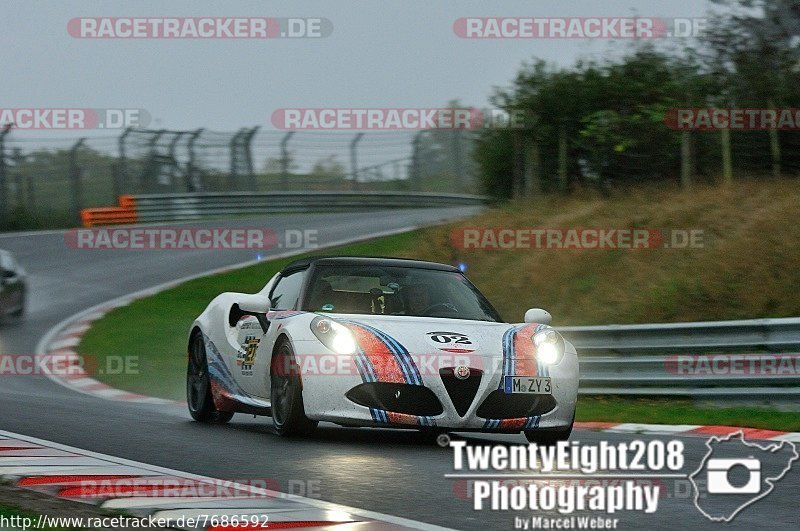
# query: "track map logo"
738,473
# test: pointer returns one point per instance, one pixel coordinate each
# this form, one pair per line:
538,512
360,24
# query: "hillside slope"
748,266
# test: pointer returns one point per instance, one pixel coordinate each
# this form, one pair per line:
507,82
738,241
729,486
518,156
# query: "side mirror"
537,315
255,305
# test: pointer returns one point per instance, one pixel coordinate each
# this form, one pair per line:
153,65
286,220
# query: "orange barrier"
122,214
127,201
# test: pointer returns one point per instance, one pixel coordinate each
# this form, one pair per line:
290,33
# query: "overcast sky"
382,53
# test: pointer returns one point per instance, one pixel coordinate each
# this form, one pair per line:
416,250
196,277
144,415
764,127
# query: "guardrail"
741,359
194,206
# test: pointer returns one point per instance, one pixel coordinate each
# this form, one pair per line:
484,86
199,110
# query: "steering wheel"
445,305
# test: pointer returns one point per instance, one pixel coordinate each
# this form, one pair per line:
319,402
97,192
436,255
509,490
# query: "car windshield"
378,290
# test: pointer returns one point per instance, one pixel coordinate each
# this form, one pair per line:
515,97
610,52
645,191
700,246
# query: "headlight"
549,346
334,335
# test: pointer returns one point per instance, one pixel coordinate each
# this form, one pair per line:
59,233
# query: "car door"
255,346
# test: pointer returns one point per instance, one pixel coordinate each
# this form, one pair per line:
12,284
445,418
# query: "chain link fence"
44,182
531,163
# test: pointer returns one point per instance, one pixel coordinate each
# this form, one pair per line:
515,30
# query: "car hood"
433,335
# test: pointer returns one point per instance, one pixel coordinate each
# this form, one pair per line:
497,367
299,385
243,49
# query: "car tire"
198,386
550,437
286,395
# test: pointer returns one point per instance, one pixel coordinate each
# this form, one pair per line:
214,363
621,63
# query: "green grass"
679,411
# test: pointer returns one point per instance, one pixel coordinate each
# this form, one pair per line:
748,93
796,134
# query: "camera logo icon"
719,472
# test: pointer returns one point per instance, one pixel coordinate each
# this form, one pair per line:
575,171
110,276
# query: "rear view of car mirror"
537,315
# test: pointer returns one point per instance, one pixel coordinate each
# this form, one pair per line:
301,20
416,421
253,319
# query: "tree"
329,167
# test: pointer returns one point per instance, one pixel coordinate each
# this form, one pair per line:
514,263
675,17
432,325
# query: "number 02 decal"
449,337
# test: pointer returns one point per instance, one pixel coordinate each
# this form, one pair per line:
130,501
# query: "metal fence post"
3,183
247,141
152,166
416,176
285,159
75,178
517,165
30,193
172,145
563,161
191,184
121,175
686,159
458,163
533,169
354,159
774,146
23,199
233,178
727,158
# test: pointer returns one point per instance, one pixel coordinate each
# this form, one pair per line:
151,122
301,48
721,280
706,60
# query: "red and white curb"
64,365
144,490
690,430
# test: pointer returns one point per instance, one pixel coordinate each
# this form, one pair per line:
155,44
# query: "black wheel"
550,437
286,396
198,386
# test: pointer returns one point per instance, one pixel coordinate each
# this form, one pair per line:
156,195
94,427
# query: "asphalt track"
381,470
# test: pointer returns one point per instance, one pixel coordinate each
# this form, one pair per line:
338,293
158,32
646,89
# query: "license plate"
527,385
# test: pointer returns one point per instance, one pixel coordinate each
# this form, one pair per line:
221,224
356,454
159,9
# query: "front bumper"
477,403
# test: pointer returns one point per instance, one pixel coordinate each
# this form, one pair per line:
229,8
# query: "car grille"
461,392
499,405
396,397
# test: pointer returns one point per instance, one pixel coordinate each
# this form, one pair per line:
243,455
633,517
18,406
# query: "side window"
287,292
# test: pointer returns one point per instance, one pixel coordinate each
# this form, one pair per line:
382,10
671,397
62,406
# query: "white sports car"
380,342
